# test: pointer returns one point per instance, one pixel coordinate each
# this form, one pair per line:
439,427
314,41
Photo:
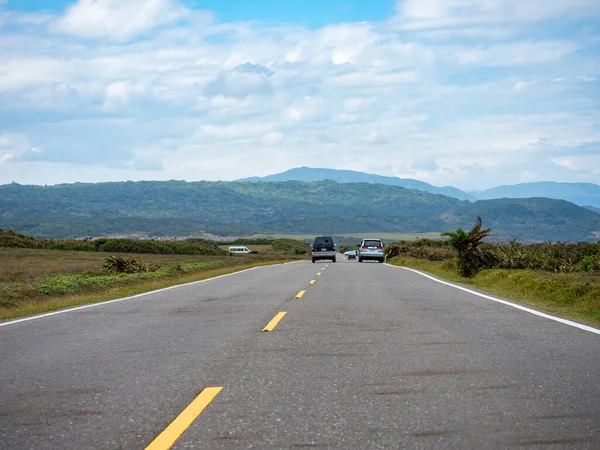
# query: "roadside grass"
572,295
37,281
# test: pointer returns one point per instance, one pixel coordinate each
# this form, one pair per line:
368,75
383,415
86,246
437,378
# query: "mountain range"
583,194
167,208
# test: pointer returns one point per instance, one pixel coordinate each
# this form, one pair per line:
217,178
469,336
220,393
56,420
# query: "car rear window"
323,241
372,243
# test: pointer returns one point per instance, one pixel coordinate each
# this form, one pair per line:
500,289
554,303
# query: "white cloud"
373,77
119,93
11,147
520,85
305,109
118,20
566,162
245,80
419,14
525,52
528,176
230,132
33,18
272,138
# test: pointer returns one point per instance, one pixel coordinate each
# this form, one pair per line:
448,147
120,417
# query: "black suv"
323,248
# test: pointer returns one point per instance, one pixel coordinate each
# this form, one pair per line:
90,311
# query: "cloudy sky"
470,93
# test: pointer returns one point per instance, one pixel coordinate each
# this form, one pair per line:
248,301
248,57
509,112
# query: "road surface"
369,356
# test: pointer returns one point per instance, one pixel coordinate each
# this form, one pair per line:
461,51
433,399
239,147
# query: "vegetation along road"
353,356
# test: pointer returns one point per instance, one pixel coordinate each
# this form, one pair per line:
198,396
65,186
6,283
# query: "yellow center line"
318,274
300,294
274,321
312,281
322,268
167,438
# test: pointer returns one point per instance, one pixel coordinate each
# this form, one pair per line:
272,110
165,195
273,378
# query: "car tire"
333,259
313,260
359,259
381,260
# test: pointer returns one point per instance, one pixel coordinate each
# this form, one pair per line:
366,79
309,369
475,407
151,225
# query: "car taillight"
365,246
379,247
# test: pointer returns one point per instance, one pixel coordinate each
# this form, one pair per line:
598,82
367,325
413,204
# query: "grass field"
390,237
22,264
573,295
33,281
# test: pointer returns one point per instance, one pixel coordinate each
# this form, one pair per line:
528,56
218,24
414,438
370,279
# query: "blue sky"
470,93
312,13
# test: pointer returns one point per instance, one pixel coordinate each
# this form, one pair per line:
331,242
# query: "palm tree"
470,255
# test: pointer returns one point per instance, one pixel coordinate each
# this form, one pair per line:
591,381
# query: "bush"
590,263
187,247
118,265
249,241
290,247
10,238
435,253
558,257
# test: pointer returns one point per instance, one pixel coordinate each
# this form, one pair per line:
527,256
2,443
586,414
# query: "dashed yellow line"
300,294
167,438
318,274
274,321
312,281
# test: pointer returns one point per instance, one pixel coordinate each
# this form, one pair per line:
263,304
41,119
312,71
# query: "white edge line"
504,302
92,305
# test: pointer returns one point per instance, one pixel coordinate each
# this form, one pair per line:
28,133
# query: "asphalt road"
371,356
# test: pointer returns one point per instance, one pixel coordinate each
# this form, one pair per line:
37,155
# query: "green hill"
308,174
166,208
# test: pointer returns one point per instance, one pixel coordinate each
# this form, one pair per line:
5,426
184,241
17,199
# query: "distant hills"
583,194
351,176
592,208
166,208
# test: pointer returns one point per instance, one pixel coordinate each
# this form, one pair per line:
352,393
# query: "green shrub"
590,263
